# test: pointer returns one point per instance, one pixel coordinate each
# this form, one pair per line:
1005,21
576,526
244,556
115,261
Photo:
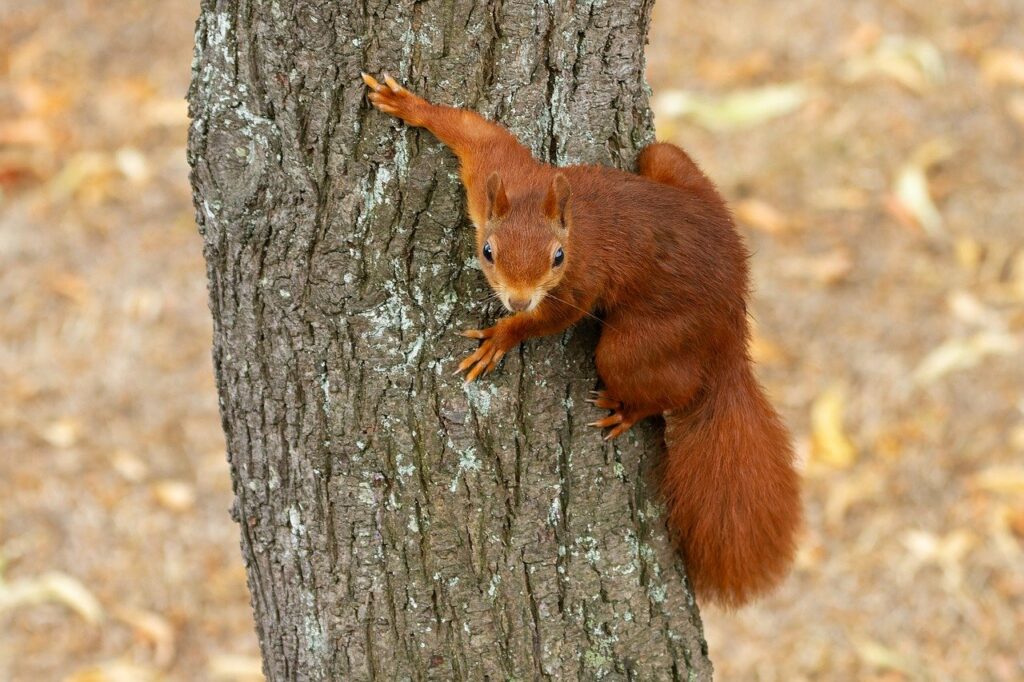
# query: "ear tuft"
497,200
556,203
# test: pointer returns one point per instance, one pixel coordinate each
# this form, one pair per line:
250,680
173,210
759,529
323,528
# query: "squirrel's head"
523,247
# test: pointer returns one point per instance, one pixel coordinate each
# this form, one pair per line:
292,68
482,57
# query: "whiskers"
585,312
494,296
491,297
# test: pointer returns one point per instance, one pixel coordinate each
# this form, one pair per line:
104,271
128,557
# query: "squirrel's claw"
371,82
393,84
485,361
478,369
495,359
611,420
602,400
391,98
618,430
472,359
617,421
486,358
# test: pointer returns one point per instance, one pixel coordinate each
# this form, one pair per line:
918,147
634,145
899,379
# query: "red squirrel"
657,255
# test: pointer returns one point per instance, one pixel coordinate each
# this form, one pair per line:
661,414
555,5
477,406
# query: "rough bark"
396,523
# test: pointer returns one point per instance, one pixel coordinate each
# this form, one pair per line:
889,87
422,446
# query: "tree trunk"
396,523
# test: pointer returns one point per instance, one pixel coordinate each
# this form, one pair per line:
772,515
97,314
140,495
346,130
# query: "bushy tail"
668,164
733,495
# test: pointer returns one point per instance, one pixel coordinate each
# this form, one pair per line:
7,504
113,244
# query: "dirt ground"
874,155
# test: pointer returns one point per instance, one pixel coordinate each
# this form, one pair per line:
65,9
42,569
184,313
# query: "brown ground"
889,335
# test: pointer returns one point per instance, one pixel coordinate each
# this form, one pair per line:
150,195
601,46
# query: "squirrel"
658,256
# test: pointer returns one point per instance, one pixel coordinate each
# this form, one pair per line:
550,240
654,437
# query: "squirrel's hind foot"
619,421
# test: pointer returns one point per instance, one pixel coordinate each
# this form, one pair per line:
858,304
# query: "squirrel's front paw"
392,98
487,356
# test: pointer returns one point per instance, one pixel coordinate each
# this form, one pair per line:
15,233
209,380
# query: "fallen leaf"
167,112
833,266
62,433
830,267
863,38
878,655
133,164
761,215
932,152
971,39
1017,276
1006,530
889,446
967,308
969,253
803,450
809,555
911,193
25,131
1000,479
175,495
732,110
1015,107
153,628
130,467
764,351
115,671
913,196
18,170
964,353
87,173
1014,520
52,587
840,198
729,71
1017,437
70,286
143,303
235,667
945,551
1002,66
914,63
831,446
848,492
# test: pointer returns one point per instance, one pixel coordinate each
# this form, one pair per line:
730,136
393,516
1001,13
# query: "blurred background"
873,152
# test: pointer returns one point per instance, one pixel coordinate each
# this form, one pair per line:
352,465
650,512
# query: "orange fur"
658,256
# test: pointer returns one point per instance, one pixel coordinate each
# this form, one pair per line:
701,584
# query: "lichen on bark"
396,523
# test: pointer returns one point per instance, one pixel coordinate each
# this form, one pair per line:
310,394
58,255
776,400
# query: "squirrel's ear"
556,203
497,200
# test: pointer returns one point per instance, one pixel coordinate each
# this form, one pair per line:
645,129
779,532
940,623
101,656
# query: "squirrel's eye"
559,256
488,253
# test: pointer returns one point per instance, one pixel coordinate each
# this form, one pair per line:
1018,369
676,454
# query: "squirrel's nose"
518,304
